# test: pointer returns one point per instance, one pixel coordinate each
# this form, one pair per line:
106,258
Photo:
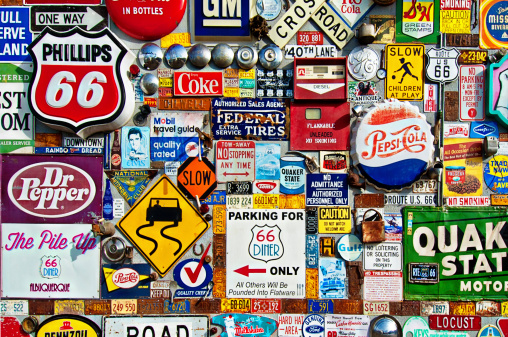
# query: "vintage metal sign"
390,133
311,251
473,56
333,25
468,201
313,326
267,161
194,277
492,28
69,307
333,220
376,308
320,306
326,189
494,174
135,147
382,256
497,105
189,326
229,19
404,71
70,325
349,247
382,286
385,28
442,64
461,276
266,187
307,38
363,92
60,18
455,322
462,167
430,98
14,307
196,177
55,258
238,187
332,276
455,17
163,205
173,136
418,324
334,161
195,103
16,35
202,83
266,306
319,125
346,325
273,83
244,325
434,308
81,90
235,160
456,130
51,189
352,11
132,183
125,281
472,89
290,325
419,21
265,119
263,260
484,129
17,124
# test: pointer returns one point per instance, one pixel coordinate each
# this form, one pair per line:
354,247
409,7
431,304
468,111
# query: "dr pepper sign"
81,87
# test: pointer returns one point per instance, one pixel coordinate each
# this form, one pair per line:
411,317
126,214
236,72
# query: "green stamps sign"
468,246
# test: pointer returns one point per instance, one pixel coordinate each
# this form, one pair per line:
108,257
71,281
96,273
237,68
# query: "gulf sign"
51,189
202,83
392,145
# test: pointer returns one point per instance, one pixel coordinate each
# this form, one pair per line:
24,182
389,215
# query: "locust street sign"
163,225
443,64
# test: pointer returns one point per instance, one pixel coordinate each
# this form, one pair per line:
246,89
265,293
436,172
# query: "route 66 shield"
80,83
50,266
265,244
443,64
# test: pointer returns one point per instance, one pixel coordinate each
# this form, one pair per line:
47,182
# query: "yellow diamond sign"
163,225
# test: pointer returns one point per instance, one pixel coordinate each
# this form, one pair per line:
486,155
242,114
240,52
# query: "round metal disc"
149,84
150,56
269,9
270,57
222,55
381,73
246,57
114,249
385,326
363,62
199,55
176,56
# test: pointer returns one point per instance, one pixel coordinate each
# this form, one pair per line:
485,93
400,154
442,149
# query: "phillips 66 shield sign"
81,88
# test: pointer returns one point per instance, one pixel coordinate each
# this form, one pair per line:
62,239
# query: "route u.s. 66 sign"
80,83
442,66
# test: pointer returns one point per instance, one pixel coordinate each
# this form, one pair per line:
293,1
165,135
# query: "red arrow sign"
236,174
503,325
245,271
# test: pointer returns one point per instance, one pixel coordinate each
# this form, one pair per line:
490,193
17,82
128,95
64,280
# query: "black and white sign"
443,64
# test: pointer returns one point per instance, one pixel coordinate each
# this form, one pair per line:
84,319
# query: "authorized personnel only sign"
265,253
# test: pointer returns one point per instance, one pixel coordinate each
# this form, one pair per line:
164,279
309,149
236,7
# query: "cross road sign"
163,225
404,71
197,177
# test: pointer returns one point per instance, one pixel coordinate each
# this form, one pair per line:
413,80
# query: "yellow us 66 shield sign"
404,71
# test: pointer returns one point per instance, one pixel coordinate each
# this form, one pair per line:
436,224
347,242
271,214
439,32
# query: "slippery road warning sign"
404,71
265,253
163,225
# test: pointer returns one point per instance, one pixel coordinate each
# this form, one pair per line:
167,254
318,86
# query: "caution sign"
404,68
196,177
163,225
333,220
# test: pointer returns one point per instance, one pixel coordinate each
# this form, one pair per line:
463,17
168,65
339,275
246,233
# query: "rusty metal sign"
405,308
311,283
41,307
451,106
219,219
376,308
208,306
97,307
219,282
499,199
488,308
193,104
292,201
462,308
160,289
473,56
219,251
369,200
294,306
266,306
327,246
241,305
434,308
455,322
69,307
462,40
350,307
152,306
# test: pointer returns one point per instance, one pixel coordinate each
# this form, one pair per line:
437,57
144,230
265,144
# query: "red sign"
196,177
235,160
265,306
455,323
188,83
327,130
80,81
51,189
310,38
503,325
146,20
62,2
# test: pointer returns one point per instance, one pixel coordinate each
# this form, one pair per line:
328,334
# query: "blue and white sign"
311,251
264,119
194,277
332,276
267,161
350,247
216,198
313,326
320,306
221,18
326,189
484,129
15,35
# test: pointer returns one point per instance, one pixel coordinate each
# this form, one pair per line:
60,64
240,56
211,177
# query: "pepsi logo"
125,278
51,189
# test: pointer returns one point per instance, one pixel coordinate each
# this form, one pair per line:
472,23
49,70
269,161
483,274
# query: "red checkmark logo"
193,275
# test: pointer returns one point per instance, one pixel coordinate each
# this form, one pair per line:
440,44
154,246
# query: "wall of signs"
254,167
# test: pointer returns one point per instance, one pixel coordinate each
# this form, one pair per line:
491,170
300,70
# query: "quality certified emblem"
80,81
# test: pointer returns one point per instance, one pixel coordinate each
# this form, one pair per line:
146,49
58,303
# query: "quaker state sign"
404,66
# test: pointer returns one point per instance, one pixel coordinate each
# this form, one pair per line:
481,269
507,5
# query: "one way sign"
63,18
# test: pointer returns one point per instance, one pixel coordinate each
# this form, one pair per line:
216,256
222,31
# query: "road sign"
15,36
196,177
235,160
404,68
443,64
170,225
265,253
471,90
62,18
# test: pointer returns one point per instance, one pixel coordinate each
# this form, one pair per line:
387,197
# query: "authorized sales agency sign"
468,245
405,76
265,253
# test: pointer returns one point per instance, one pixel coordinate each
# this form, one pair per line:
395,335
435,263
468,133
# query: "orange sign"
196,177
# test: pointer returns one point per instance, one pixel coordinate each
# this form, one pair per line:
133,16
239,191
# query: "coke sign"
51,189
81,87
189,83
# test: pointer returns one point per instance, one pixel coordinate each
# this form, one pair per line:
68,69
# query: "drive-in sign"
189,83
265,253
81,88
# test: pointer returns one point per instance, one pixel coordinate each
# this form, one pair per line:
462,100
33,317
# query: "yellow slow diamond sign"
163,225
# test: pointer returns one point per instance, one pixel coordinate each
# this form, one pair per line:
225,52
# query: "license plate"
13,307
69,307
239,187
239,201
425,186
266,306
376,308
462,308
178,307
124,307
266,201
504,309
434,308
423,273
235,304
320,307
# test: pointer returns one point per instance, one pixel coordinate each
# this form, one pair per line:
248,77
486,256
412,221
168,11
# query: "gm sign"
214,18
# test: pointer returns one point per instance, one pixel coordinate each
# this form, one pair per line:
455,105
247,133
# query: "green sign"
417,21
467,244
